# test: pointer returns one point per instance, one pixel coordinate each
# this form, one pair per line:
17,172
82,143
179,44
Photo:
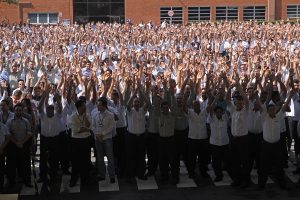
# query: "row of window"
196,14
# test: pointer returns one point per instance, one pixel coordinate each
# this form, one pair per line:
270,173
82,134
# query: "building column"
240,13
271,10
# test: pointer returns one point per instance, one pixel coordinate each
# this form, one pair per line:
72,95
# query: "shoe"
150,174
66,172
101,178
235,184
218,179
112,180
28,184
144,178
204,175
260,188
72,184
41,180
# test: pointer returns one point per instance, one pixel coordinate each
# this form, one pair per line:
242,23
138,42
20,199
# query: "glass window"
33,18
53,18
176,18
227,13
80,9
198,14
254,13
43,18
293,11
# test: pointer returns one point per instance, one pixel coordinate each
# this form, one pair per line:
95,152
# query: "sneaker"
112,180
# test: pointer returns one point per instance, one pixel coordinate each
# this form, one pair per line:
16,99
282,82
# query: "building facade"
173,11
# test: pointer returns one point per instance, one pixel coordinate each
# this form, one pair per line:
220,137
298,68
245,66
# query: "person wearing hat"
103,124
271,151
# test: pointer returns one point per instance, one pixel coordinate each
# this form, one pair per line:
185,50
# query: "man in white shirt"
239,140
271,152
80,123
135,139
103,125
50,130
219,140
4,139
198,145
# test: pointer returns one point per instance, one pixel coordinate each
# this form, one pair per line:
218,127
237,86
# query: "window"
254,13
43,18
196,14
293,11
176,18
227,13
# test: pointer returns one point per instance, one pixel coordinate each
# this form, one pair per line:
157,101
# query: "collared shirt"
197,124
50,127
239,120
9,116
254,120
76,122
121,114
181,121
295,107
219,135
3,133
19,128
136,121
166,125
103,124
271,126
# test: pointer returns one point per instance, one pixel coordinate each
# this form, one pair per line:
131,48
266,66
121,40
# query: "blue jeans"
103,148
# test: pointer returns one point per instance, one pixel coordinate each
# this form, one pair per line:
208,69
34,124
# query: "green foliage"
11,1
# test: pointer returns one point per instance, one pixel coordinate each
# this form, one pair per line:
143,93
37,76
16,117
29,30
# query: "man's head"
21,84
196,106
102,104
115,97
219,112
4,105
165,107
271,109
239,103
18,110
80,106
136,103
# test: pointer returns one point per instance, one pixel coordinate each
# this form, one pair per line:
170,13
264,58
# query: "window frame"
254,14
48,17
175,19
296,12
198,15
227,15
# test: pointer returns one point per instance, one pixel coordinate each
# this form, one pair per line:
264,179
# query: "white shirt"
3,132
271,126
219,135
121,114
197,124
103,124
50,126
76,122
136,121
254,121
239,124
295,107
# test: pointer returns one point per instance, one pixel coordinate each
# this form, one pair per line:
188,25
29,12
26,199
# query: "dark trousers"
18,159
284,149
240,159
152,151
64,149
120,151
167,157
255,141
296,139
181,137
2,169
135,153
198,149
220,156
80,153
271,161
49,156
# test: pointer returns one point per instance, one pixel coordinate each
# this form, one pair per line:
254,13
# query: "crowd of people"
220,93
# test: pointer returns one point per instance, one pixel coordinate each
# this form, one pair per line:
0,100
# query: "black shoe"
260,188
66,172
218,179
112,180
204,175
144,178
150,174
101,178
235,184
72,184
41,180
28,184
